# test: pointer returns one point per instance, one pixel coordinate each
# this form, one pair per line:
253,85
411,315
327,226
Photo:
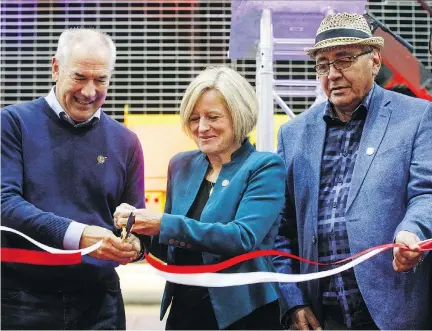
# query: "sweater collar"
55,105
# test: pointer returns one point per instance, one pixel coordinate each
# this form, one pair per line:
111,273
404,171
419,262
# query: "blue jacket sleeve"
287,241
257,211
418,218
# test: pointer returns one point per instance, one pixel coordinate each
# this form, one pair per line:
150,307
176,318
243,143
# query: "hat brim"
377,42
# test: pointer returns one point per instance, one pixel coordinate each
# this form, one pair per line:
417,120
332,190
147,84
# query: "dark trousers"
201,317
90,310
330,324
333,320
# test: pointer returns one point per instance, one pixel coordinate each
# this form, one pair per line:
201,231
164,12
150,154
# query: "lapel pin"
225,182
101,159
370,150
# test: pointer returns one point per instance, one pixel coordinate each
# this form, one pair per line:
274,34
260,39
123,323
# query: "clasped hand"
147,222
303,318
406,259
112,248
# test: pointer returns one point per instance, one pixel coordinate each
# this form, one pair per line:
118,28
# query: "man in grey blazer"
359,174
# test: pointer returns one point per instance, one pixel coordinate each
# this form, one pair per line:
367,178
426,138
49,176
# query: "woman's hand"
123,208
147,222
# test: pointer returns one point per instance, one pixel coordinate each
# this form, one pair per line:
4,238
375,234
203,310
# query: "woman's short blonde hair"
238,94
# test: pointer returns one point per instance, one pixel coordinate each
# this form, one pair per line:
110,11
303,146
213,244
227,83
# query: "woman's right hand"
147,222
124,207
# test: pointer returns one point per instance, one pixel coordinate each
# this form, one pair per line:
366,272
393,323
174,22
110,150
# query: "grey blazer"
391,191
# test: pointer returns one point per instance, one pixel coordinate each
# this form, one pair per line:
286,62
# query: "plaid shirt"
340,292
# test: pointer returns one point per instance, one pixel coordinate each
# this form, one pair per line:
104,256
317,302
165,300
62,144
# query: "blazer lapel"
314,139
373,133
196,176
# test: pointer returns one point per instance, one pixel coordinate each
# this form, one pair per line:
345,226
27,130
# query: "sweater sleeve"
16,211
133,193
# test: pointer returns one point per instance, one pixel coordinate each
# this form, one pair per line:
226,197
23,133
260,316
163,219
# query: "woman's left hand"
147,222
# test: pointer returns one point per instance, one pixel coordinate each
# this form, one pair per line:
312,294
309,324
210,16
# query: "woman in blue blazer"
223,200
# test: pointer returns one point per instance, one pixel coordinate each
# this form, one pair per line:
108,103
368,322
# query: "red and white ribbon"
205,275
200,275
50,256
208,279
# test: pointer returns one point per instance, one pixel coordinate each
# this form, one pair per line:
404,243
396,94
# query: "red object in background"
425,6
403,68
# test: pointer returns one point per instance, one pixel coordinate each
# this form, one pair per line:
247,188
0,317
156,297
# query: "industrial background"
161,47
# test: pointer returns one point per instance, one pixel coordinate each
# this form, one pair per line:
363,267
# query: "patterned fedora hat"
343,29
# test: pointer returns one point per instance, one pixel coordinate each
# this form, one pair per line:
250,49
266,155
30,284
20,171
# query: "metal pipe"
295,82
283,105
297,93
265,125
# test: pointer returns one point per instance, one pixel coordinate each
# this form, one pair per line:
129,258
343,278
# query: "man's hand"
304,319
112,248
406,259
135,241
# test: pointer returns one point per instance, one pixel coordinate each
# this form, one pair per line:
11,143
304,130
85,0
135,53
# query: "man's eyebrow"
83,76
344,53
338,54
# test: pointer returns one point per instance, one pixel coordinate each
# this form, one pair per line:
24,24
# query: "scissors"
127,229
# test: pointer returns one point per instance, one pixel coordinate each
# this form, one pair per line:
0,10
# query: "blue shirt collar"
359,113
52,101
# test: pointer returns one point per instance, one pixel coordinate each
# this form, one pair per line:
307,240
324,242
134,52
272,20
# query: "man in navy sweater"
65,167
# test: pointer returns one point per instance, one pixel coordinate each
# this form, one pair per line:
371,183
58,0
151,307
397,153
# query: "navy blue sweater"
51,176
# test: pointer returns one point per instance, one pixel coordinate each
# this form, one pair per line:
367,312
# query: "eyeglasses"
339,64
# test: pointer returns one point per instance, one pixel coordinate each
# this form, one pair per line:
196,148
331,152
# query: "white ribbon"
219,279
222,280
53,250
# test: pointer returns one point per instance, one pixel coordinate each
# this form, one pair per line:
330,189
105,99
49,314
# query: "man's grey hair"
71,37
